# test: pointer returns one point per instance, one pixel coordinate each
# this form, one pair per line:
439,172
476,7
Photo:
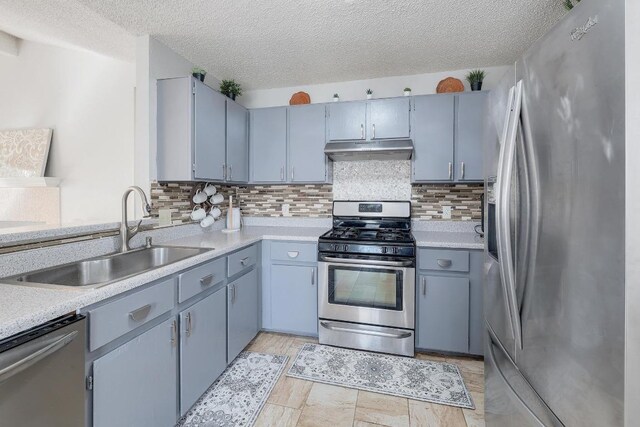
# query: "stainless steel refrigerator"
555,224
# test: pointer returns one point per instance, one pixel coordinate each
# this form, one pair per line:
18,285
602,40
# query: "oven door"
367,291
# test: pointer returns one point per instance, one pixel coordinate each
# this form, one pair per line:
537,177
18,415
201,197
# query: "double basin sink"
100,271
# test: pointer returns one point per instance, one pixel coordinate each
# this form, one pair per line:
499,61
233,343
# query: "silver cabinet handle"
51,347
424,286
313,276
282,173
244,260
224,171
206,280
293,254
140,313
174,331
374,131
232,288
188,329
450,170
461,170
230,172
293,170
361,131
444,263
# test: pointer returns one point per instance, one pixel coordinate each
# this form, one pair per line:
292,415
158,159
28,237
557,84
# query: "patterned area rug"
398,376
237,396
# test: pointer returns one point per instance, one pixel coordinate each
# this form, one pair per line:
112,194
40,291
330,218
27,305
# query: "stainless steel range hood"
384,149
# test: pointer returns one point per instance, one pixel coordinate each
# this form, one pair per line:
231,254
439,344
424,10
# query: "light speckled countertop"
23,307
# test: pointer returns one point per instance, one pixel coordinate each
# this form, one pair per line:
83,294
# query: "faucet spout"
126,232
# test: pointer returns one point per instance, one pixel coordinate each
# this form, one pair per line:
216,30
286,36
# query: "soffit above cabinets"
283,43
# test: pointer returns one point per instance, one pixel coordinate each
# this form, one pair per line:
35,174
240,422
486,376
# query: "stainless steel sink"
100,271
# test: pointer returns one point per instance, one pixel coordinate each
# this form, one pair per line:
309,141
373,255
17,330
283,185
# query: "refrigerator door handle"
505,251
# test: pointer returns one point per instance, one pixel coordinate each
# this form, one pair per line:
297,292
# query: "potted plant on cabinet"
336,97
369,94
475,79
230,88
198,73
407,91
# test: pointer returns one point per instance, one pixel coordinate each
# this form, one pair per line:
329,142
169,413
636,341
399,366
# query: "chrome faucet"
126,232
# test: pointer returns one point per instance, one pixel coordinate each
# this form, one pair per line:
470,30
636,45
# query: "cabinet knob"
293,254
444,263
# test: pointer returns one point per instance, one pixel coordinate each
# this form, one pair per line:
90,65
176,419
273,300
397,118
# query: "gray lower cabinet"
307,138
203,346
443,313
136,384
470,120
237,167
268,142
433,137
294,299
242,313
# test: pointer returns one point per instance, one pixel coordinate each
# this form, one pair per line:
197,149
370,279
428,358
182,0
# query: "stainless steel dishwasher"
42,375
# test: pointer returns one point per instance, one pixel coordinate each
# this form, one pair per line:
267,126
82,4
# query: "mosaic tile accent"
427,201
315,201
372,180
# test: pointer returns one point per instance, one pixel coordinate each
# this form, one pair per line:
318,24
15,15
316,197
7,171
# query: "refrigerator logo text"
580,32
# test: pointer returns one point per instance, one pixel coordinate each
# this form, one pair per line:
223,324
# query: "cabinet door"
443,313
174,157
347,120
268,133
294,299
237,143
389,118
476,303
209,113
307,138
433,124
203,346
469,125
136,384
242,309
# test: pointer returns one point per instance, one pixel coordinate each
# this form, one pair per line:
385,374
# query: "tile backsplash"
316,200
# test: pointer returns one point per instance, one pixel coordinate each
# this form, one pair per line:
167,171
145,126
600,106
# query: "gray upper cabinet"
433,137
307,138
294,299
443,313
237,168
203,344
209,133
389,118
347,120
469,130
268,142
136,384
242,313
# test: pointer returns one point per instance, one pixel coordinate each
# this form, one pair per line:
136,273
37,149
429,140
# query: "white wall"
89,102
632,220
154,61
420,84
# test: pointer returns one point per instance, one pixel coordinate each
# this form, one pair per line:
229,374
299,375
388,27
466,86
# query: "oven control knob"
384,249
346,248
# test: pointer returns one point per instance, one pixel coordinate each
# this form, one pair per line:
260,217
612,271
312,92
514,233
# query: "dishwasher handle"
47,349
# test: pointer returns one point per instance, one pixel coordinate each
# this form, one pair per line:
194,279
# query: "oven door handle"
367,261
332,327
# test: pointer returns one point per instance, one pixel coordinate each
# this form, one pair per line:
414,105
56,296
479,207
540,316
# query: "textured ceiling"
66,23
267,44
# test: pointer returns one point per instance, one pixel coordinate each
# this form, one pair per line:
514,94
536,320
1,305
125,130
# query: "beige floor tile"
382,409
474,382
290,392
470,365
475,417
426,414
431,357
358,423
271,343
277,416
328,405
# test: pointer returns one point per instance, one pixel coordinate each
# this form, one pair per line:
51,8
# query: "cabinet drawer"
116,318
242,260
287,251
200,278
443,260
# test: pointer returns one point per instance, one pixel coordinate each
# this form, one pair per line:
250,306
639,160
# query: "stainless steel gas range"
366,277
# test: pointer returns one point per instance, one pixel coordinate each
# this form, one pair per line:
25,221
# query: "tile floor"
296,402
